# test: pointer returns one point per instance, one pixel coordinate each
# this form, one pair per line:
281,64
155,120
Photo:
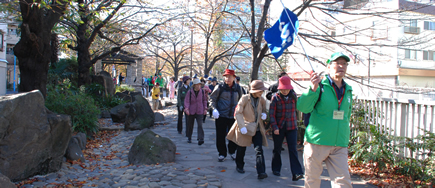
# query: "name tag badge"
338,114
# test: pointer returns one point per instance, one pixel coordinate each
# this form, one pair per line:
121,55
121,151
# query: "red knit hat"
285,83
229,72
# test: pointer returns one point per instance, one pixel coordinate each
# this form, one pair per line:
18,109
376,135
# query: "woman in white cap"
195,107
249,128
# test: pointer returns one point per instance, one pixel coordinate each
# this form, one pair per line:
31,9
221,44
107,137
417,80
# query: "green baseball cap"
337,55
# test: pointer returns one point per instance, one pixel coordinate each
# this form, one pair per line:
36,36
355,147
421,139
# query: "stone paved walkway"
195,166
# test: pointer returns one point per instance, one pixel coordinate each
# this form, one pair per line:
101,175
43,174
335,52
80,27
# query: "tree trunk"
84,62
33,51
83,57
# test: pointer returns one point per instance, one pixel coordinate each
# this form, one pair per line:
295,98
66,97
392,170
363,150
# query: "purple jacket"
195,104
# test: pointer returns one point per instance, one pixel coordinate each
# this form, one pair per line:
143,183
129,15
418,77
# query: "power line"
352,77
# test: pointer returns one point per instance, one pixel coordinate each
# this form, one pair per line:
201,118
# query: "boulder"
150,148
76,144
128,96
31,135
105,114
118,113
158,117
6,182
106,74
140,115
124,96
106,82
134,93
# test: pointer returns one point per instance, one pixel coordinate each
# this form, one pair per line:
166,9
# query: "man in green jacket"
161,81
327,135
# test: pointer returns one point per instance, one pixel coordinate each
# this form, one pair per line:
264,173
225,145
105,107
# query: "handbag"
251,127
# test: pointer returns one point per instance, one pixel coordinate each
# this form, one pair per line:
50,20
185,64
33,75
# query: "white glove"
263,116
181,108
215,114
243,130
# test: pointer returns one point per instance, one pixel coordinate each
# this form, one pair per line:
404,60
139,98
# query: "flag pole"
297,35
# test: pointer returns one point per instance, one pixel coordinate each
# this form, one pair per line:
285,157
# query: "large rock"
150,148
118,113
105,114
32,139
106,82
76,144
106,74
125,96
140,114
128,96
5,182
159,117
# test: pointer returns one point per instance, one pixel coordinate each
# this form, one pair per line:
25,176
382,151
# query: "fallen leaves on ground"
386,178
101,139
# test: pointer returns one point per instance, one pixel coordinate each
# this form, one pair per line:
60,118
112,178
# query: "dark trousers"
291,137
223,125
190,124
257,139
180,120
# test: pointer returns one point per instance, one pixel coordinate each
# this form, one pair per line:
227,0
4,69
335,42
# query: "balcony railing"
398,117
412,30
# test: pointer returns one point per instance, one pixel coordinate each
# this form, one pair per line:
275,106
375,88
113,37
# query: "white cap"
196,81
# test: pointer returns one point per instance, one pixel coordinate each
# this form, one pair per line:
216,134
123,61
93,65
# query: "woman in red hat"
283,120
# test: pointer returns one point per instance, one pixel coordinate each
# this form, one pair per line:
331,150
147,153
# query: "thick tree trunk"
83,57
33,51
84,62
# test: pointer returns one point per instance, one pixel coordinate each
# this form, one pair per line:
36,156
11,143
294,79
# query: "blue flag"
281,34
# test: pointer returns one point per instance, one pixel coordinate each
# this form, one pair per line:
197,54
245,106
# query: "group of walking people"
239,118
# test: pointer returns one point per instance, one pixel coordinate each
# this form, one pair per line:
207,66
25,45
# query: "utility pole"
368,74
191,50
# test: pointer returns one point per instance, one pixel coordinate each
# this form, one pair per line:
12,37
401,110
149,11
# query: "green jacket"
160,81
322,128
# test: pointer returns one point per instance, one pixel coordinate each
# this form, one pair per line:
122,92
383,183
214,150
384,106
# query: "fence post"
404,113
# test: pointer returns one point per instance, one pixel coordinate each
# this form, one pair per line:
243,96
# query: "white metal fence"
399,117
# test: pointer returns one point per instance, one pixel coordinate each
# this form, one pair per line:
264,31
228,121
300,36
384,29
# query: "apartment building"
391,45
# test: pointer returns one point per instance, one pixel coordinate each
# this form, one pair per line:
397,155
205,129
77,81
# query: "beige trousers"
155,104
336,162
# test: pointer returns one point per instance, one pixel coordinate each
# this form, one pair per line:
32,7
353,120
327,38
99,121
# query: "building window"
413,23
429,25
428,55
410,54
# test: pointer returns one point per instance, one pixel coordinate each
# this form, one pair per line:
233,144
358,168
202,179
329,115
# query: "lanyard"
342,96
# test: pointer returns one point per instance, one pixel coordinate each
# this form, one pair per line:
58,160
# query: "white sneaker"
221,158
233,156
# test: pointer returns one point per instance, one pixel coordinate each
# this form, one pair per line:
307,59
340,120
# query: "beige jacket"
244,115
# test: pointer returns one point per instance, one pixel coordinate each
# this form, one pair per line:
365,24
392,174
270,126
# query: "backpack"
221,90
190,94
308,115
320,95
